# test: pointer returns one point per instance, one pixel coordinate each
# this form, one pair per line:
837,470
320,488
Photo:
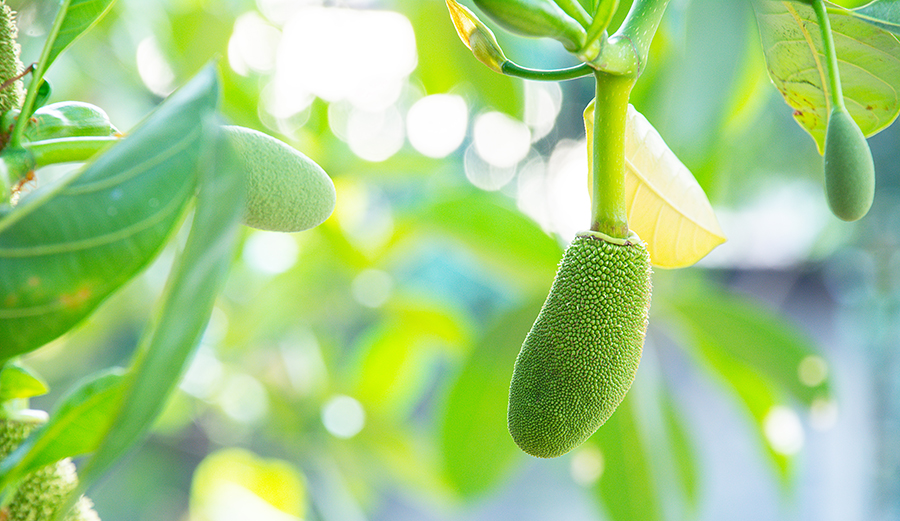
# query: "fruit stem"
634,35
608,208
574,9
512,69
834,76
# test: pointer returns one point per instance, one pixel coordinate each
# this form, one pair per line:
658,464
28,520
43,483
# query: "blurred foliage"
413,298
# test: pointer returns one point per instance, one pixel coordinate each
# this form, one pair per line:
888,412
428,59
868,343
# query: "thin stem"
609,213
511,69
834,76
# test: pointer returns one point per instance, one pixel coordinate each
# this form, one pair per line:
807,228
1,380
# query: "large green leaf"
196,279
881,13
68,245
868,61
626,487
75,428
475,444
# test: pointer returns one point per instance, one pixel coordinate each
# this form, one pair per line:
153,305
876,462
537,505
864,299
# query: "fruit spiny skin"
10,65
849,169
286,191
581,355
40,493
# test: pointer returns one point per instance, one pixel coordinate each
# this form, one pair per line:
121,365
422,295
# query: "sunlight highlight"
436,124
501,140
783,430
252,45
155,71
270,253
343,416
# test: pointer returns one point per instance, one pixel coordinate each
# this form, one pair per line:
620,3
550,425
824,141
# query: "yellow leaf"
666,206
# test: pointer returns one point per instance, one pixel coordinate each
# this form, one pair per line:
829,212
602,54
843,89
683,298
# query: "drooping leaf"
195,281
881,13
75,428
666,206
476,447
626,485
868,62
68,245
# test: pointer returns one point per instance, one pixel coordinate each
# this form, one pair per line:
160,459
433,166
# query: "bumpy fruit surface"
849,169
581,355
43,491
286,191
10,66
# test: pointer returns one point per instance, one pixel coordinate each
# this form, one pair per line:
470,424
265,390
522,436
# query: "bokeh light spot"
343,416
501,140
436,124
270,253
784,431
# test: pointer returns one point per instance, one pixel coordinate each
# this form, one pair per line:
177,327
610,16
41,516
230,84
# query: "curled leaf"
667,208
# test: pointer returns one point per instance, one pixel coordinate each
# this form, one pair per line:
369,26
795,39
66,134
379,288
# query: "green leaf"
880,13
79,16
75,428
736,327
17,381
869,65
475,444
195,281
682,452
626,486
68,245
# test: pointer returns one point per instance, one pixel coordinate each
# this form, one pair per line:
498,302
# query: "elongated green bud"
849,169
286,191
42,492
10,66
581,355
537,18
477,37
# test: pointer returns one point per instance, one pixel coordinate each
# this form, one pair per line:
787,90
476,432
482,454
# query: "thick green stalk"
608,208
834,78
627,50
68,149
512,69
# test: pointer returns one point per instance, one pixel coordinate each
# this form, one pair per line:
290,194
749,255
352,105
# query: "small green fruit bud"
68,119
537,18
849,169
581,355
10,66
477,37
286,191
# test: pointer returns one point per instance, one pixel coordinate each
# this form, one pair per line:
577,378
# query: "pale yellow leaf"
666,206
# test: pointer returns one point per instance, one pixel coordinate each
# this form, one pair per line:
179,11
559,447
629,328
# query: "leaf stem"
609,213
512,69
834,76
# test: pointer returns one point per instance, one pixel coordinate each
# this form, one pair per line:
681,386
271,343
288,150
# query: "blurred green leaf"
626,486
733,326
397,350
881,13
475,444
235,482
868,60
682,453
504,239
195,281
75,428
17,381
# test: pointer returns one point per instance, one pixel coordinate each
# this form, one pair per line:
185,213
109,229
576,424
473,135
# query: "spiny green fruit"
581,355
43,491
10,66
286,191
849,169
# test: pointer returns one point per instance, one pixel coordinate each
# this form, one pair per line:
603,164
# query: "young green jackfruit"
849,169
581,355
286,191
536,18
10,65
43,491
